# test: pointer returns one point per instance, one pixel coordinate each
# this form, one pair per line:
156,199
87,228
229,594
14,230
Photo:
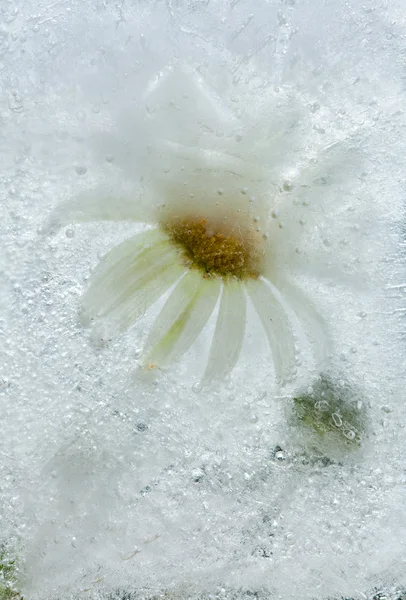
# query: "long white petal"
174,306
192,313
229,333
147,291
116,264
99,205
311,321
116,285
277,328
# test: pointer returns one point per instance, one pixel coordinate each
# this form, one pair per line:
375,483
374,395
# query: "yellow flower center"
215,249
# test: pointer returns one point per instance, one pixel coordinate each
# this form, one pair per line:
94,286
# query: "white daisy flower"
224,230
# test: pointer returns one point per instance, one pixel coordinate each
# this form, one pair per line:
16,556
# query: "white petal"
176,304
229,333
277,328
190,94
224,185
100,205
311,321
182,318
112,271
123,275
145,292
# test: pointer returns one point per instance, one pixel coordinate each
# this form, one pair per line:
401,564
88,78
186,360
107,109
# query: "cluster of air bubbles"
328,407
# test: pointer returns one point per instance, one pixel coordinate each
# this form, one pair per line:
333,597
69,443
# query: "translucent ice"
111,480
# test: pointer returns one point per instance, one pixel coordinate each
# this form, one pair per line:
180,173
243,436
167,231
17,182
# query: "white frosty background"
95,465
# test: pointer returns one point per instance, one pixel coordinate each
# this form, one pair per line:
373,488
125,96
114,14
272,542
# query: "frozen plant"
332,409
8,579
222,226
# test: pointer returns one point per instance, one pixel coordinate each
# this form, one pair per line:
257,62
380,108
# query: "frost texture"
109,482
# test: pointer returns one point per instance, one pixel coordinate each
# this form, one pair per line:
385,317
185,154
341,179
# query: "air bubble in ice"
290,539
197,475
322,405
280,455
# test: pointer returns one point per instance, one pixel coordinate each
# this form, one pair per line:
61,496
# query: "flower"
222,229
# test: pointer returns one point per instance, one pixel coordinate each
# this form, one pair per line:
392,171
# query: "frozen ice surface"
109,482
